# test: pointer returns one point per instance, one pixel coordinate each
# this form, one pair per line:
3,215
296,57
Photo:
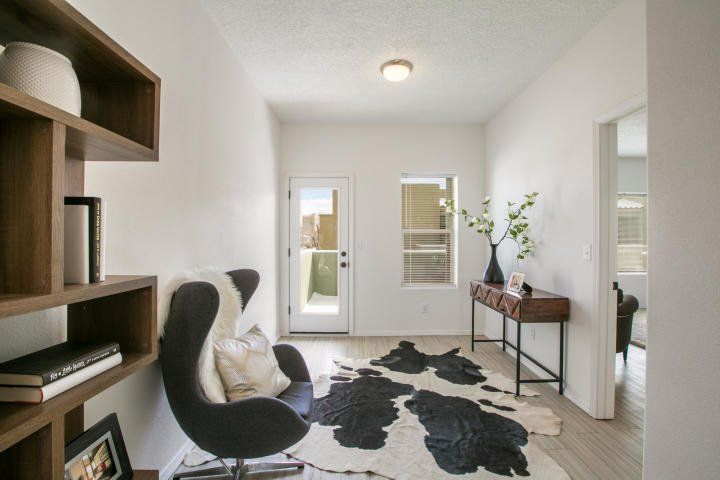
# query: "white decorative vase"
43,73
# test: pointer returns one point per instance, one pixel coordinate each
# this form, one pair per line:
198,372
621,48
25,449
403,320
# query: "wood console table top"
538,307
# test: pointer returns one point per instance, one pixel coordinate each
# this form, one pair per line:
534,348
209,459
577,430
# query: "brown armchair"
627,306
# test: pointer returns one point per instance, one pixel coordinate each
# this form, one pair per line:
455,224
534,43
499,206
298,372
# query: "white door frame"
284,243
602,398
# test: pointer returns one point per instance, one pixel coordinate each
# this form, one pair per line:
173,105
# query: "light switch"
587,252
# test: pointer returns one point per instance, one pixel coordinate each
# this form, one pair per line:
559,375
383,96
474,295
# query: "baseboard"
408,333
168,470
324,335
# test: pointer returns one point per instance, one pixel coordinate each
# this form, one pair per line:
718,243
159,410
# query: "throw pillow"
248,367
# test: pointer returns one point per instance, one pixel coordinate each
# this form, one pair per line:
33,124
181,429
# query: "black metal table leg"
503,342
562,347
517,361
472,328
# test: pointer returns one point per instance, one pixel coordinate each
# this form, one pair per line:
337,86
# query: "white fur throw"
226,324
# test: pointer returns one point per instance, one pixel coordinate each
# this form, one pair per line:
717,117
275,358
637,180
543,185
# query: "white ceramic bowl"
41,72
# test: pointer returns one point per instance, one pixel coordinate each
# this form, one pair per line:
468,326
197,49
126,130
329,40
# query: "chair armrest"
291,362
257,427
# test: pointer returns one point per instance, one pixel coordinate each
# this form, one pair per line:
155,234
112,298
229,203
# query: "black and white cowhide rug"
411,415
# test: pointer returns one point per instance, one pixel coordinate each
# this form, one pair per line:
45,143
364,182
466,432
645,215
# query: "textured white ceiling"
632,135
318,60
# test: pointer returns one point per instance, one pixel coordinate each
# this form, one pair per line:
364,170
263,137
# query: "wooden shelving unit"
119,94
43,151
84,140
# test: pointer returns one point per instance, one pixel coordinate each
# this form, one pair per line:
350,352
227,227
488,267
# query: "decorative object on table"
517,229
516,282
410,415
99,453
84,240
51,364
41,72
527,288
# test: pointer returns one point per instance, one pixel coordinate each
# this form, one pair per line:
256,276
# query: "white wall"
632,175
543,141
376,156
211,200
634,283
682,418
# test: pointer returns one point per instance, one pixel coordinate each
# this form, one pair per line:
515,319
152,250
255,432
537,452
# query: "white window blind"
632,232
428,233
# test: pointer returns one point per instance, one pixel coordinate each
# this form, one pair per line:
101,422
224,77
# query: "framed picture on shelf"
98,454
516,282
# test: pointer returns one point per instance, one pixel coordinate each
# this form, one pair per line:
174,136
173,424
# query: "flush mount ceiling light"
396,70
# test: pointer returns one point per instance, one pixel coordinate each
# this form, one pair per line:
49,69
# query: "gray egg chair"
249,428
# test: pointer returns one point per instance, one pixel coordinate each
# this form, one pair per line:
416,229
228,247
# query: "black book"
95,235
46,366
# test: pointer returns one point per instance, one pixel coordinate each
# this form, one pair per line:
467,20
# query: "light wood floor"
587,449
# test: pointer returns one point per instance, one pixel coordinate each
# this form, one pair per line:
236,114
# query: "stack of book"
85,220
39,376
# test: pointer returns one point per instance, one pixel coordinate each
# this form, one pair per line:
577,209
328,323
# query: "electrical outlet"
424,308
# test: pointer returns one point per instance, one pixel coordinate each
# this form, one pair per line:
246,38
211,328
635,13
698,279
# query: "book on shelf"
77,248
103,237
45,393
52,364
85,224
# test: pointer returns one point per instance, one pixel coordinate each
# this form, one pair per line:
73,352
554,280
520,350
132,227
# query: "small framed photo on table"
98,454
516,282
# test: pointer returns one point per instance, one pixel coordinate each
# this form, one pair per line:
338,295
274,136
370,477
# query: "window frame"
453,284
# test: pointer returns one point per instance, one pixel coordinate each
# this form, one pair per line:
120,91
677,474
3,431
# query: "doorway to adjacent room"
621,258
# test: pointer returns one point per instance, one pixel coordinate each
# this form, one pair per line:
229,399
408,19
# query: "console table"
536,307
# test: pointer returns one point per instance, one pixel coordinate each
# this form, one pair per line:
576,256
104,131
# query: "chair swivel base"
237,471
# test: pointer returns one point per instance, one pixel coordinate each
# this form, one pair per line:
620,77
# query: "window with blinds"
428,233
632,232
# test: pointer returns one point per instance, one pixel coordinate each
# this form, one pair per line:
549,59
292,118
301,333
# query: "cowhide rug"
410,415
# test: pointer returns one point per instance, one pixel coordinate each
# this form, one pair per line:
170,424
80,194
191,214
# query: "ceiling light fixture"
396,70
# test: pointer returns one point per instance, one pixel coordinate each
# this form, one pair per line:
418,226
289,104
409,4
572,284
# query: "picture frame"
99,453
516,282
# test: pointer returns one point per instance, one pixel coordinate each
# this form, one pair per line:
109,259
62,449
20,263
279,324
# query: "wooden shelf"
84,140
55,24
16,304
18,421
119,93
43,150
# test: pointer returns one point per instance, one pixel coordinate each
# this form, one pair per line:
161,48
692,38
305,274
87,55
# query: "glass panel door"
319,258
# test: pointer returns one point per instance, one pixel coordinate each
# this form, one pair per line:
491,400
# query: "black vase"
493,273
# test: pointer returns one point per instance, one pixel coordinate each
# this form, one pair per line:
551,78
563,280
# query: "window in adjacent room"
429,237
632,232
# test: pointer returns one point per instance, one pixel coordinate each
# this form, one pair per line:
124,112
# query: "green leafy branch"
517,228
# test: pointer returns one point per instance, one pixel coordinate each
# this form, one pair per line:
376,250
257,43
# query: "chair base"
237,471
